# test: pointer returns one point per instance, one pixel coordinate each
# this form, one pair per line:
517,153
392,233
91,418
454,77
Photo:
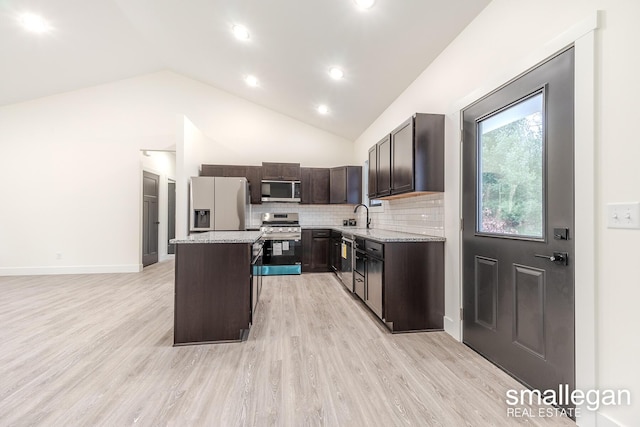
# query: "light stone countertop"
251,236
220,237
379,235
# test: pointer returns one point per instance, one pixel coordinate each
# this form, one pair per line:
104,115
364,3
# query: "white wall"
190,148
504,34
162,164
70,164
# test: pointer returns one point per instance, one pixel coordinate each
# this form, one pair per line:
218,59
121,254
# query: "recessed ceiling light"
365,4
34,23
240,32
336,73
323,109
251,81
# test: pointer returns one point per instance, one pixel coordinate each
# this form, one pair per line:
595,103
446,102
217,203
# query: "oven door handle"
282,236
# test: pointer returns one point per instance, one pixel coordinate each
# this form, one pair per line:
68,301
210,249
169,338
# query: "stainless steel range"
282,244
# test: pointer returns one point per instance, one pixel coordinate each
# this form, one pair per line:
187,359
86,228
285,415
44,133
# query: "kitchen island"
213,287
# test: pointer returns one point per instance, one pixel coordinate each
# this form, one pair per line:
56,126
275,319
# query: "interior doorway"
150,222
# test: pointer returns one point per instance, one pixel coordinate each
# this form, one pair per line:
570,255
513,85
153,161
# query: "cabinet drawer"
321,233
374,248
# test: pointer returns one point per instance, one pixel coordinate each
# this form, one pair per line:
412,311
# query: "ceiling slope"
293,43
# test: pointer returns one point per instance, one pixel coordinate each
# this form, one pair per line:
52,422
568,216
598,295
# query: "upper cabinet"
252,173
383,175
372,185
346,185
314,184
411,159
281,171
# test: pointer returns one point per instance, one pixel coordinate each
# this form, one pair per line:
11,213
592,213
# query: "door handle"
557,257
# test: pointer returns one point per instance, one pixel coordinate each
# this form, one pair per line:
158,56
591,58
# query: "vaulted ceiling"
292,46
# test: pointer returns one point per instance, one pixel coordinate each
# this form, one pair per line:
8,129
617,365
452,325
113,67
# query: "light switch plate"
623,215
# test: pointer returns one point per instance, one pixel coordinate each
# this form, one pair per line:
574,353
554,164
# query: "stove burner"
275,223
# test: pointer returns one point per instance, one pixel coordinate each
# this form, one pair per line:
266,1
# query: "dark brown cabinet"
413,286
281,171
346,185
314,184
212,292
315,250
372,178
212,170
252,173
411,158
402,158
383,172
402,282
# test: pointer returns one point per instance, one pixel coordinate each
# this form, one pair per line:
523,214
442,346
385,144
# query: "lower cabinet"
413,286
402,283
335,255
316,250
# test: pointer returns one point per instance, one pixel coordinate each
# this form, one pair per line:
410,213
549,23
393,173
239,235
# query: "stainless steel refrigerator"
217,203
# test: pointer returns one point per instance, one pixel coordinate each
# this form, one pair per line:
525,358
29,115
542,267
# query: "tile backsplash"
329,215
421,214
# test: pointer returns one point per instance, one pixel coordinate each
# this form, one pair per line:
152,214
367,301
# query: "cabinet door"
373,295
212,170
290,171
281,171
305,186
373,169
254,176
271,170
338,183
320,178
320,254
354,185
402,158
307,245
383,175
235,171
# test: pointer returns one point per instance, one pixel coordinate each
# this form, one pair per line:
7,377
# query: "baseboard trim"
73,269
451,328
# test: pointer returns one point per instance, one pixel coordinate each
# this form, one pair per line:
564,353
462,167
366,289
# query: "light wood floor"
97,350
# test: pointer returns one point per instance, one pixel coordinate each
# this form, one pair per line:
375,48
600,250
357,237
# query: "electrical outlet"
58,255
623,215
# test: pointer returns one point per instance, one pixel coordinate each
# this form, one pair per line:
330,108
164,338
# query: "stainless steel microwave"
281,191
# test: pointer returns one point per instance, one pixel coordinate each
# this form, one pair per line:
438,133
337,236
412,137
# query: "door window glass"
511,170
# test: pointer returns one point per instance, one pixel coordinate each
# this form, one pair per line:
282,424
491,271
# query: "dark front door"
518,246
150,183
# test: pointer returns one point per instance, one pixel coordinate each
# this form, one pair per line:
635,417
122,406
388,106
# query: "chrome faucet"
365,206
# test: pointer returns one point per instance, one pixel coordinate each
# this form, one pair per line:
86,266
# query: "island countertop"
220,237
